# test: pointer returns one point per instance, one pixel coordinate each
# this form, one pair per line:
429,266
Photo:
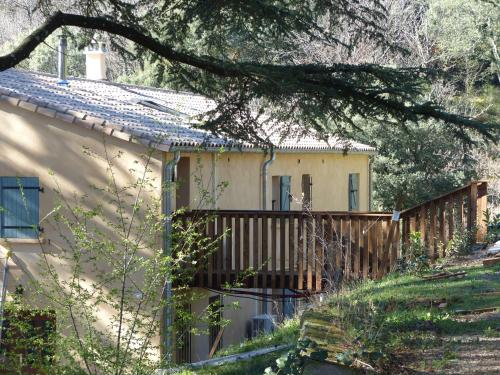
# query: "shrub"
416,258
461,242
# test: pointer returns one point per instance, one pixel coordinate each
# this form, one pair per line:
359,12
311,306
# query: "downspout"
370,182
167,252
4,291
265,177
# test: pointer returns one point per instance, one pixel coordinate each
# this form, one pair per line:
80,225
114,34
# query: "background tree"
238,53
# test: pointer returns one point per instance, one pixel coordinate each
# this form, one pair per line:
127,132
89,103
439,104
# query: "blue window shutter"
20,202
353,192
285,193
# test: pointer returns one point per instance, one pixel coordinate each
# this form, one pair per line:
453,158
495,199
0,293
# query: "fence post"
482,204
472,217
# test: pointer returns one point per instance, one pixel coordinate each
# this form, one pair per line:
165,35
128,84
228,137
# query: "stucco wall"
53,150
243,173
34,145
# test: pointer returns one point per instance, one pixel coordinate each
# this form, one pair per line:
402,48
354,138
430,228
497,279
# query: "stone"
493,250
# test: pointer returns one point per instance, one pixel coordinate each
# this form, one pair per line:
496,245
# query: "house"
45,124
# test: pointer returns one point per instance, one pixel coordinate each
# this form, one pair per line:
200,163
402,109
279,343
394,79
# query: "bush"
493,226
461,242
416,258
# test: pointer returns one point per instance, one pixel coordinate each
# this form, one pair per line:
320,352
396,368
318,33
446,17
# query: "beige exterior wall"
243,173
32,145
35,145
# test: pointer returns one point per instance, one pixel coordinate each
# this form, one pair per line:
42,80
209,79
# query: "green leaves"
292,362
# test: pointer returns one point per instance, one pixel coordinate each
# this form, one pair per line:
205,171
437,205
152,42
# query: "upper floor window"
353,191
19,207
282,193
306,192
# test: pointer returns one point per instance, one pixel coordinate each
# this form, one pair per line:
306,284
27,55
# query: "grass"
285,333
399,316
385,321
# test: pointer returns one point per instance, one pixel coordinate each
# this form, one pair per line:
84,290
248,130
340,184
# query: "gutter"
172,148
167,320
265,177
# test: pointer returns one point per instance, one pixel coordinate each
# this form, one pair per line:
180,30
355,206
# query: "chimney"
95,61
61,60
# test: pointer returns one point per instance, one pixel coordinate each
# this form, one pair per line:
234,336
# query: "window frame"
353,192
30,202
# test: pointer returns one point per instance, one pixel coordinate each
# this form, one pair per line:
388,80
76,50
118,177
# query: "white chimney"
95,61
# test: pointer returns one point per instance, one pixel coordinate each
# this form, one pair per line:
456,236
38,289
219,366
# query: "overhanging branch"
333,82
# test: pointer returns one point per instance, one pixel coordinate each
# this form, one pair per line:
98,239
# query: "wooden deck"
315,250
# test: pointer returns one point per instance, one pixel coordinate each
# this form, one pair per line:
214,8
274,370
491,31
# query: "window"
353,191
19,207
282,193
182,198
306,192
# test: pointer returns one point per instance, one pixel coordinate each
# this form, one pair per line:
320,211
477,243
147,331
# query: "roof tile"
163,116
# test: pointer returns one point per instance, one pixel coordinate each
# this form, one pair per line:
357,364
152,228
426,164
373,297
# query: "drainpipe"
167,252
265,177
370,182
214,180
4,290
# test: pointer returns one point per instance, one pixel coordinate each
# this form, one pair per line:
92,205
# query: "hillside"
403,324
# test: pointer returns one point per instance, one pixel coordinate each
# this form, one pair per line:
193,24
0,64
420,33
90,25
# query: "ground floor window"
19,207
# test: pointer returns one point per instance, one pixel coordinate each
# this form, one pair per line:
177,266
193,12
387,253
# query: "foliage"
415,259
286,332
461,242
418,163
293,362
27,337
239,54
105,282
493,226
44,58
397,315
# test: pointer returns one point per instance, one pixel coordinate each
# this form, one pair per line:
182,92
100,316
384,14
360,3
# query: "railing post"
482,204
432,231
472,214
442,225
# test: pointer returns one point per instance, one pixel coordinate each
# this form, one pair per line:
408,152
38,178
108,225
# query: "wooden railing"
439,219
295,249
315,250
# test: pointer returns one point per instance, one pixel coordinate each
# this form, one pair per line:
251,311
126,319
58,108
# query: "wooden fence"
439,219
295,249
314,250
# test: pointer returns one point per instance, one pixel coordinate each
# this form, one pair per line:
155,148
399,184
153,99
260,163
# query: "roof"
162,118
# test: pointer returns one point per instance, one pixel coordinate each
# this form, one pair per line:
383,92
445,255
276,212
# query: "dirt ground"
477,354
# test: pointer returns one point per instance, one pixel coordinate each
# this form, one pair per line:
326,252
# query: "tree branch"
350,84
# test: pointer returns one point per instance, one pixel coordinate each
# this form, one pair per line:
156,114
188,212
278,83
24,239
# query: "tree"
199,44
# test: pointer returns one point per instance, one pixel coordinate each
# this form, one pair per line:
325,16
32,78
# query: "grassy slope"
399,316
286,333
